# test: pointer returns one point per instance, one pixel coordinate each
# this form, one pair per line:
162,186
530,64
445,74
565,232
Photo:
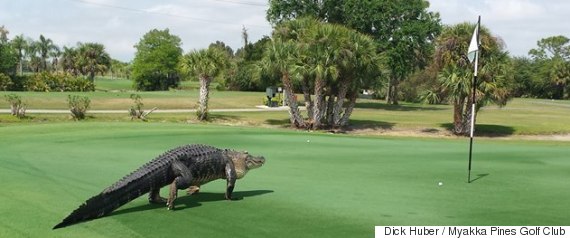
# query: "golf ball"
440,183
308,141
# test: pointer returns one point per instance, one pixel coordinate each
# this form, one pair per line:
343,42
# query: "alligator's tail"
129,188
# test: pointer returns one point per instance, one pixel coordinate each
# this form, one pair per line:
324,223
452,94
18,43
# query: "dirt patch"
442,133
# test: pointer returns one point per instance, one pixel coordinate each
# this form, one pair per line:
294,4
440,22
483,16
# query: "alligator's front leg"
231,177
183,180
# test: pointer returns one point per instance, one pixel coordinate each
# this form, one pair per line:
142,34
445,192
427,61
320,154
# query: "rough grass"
519,117
313,184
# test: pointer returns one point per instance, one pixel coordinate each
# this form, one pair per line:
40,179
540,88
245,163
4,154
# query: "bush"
156,82
276,101
17,108
5,82
78,106
57,82
136,111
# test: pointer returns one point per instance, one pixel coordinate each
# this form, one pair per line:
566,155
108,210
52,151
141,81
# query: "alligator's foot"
155,198
172,196
158,200
193,190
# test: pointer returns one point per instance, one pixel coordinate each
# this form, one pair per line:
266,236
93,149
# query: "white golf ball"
440,183
308,141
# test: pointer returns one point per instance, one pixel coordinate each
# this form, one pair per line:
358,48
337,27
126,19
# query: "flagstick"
473,84
472,118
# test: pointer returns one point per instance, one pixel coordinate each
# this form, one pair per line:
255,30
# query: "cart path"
66,111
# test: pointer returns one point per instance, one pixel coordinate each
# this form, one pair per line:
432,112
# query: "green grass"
120,100
332,186
519,117
109,84
113,84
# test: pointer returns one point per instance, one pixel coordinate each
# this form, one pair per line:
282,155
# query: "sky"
120,24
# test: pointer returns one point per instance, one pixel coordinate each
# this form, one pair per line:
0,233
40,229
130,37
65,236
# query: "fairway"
312,185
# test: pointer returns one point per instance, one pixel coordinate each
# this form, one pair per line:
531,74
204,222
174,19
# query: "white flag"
474,45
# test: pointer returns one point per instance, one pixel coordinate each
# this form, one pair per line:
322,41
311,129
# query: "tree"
206,64
8,56
403,30
528,81
55,54
553,59
330,62
34,61
3,34
325,10
20,45
69,59
281,57
45,46
156,62
91,59
246,75
456,72
120,69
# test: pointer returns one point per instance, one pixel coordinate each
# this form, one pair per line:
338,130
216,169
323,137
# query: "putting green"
313,184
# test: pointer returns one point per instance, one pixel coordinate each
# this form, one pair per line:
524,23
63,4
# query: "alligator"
184,167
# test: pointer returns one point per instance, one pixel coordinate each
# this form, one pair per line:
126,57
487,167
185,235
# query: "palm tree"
331,60
20,44
55,54
280,57
360,69
45,46
92,59
456,72
206,64
32,50
69,60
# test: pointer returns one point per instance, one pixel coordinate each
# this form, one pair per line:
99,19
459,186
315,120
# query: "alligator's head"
243,161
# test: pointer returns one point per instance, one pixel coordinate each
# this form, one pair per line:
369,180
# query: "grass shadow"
279,122
185,201
479,176
223,117
370,124
390,107
486,130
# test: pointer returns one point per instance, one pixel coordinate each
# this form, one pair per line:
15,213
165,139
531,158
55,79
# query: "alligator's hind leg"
193,190
155,198
182,181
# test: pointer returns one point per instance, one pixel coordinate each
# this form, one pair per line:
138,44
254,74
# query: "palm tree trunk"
392,95
340,102
92,76
307,96
320,105
202,112
294,113
21,67
459,108
330,110
348,111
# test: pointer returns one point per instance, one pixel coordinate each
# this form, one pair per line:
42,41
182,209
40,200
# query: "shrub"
136,111
78,106
276,101
156,82
58,82
17,108
5,82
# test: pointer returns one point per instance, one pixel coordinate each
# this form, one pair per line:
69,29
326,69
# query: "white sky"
119,24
